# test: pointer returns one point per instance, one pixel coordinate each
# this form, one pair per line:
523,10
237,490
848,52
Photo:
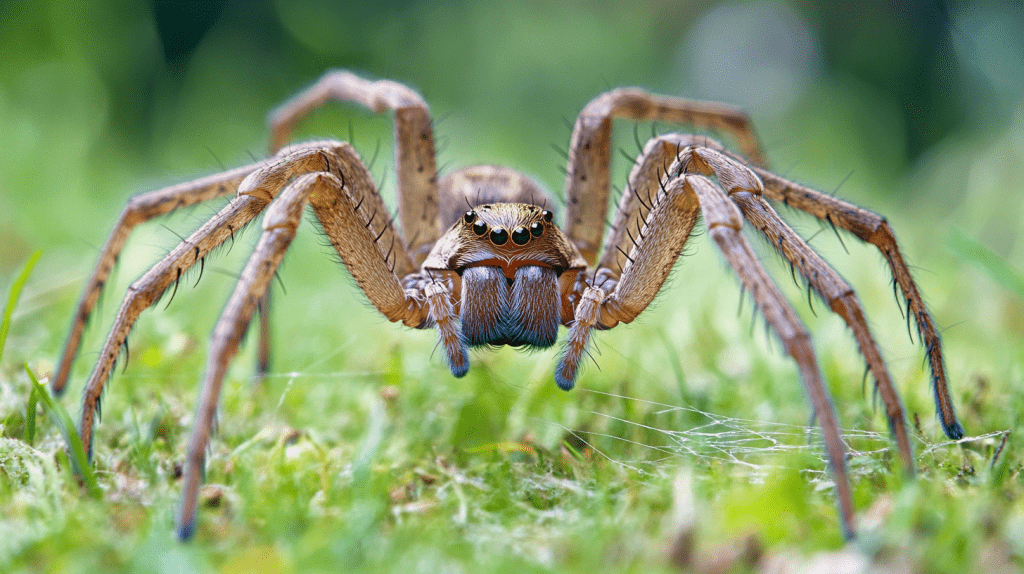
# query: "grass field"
685,443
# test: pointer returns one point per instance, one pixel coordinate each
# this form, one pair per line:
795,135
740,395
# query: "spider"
478,258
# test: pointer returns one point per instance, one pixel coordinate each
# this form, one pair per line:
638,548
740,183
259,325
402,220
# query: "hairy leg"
791,332
139,209
339,193
414,145
150,287
820,277
372,252
873,229
587,178
254,193
279,226
642,190
640,250
841,299
650,261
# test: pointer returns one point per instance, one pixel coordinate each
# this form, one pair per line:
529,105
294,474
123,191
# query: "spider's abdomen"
521,311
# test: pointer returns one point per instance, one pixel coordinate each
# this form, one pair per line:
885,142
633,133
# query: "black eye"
520,236
499,236
547,215
480,228
536,228
469,217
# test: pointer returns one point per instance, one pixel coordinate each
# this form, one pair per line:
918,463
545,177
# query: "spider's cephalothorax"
478,255
512,262
514,265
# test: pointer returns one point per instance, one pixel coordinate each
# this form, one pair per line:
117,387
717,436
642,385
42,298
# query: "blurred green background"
99,101
913,110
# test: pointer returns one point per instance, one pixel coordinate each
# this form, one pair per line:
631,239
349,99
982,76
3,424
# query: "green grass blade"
60,416
30,417
970,250
12,299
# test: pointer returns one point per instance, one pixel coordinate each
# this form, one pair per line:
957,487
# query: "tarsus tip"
954,430
459,364
564,383
186,531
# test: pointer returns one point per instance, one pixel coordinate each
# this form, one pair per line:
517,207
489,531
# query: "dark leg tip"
848,533
459,370
954,430
186,531
564,383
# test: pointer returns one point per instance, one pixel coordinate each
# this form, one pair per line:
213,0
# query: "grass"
371,457
12,298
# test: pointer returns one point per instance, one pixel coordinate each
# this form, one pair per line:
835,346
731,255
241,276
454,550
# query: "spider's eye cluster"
500,236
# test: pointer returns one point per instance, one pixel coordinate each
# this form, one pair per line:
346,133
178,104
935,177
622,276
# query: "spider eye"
480,228
499,236
547,215
469,217
536,229
520,236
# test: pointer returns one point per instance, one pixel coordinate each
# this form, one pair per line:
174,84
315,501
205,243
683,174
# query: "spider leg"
373,255
255,191
414,145
642,191
139,209
874,229
795,339
442,314
840,298
587,175
822,278
650,261
147,290
344,200
645,191
279,226
367,243
263,348
344,211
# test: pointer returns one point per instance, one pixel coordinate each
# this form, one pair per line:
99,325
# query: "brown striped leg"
587,177
279,226
648,264
343,205
148,289
139,209
414,146
745,190
873,229
840,298
255,192
780,315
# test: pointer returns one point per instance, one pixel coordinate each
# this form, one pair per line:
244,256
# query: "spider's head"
503,235
510,257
